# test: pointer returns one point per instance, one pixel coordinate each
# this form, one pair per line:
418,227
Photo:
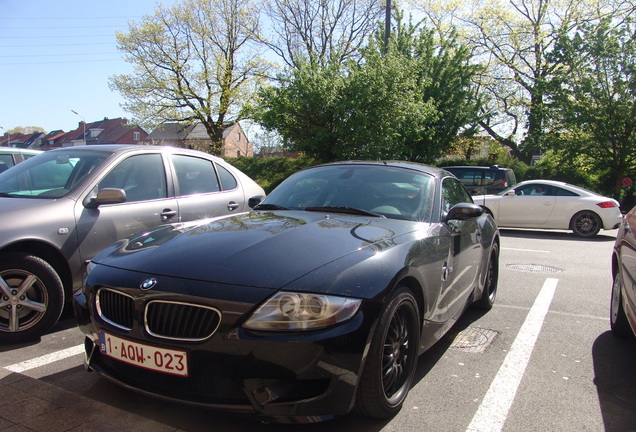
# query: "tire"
488,295
618,320
31,297
585,224
392,359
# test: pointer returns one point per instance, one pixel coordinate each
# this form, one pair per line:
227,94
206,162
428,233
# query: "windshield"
373,190
51,174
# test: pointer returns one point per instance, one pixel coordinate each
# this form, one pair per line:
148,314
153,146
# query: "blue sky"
57,56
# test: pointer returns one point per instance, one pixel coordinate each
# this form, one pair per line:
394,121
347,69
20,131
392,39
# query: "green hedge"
270,172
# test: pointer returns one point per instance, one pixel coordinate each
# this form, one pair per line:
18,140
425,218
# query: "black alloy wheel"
618,320
31,297
392,359
585,224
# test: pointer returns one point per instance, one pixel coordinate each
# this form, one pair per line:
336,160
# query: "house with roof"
22,140
195,136
52,139
106,131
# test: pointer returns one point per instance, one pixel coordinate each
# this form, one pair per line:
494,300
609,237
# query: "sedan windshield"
50,175
371,190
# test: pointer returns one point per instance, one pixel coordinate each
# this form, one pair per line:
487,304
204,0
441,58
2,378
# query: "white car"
10,156
549,204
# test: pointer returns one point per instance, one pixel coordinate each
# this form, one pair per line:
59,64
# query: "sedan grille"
181,321
116,308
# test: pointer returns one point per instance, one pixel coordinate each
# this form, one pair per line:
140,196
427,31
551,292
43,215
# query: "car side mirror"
511,193
255,200
107,196
464,211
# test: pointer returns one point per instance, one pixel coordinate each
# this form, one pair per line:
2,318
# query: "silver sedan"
61,207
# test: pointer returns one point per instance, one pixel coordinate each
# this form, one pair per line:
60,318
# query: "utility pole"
83,122
387,25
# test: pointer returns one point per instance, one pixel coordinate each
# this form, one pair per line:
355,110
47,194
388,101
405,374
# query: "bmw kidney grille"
116,308
163,319
181,321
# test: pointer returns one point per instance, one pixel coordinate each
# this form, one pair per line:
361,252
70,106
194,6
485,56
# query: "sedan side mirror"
107,196
464,211
255,200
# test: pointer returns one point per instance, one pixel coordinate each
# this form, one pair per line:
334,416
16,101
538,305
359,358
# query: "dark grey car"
481,180
58,209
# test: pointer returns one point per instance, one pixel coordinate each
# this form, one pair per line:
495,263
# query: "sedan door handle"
232,206
168,214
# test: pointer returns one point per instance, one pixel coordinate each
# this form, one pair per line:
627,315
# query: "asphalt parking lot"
542,359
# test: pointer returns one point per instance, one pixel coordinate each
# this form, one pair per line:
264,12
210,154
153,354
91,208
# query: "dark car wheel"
32,297
489,294
390,366
585,224
618,320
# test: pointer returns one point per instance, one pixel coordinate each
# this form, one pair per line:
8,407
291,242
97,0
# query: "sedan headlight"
301,311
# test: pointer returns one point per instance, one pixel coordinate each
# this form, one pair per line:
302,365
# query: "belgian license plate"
146,356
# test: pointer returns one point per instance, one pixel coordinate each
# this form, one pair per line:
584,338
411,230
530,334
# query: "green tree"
513,39
26,129
195,61
594,97
444,74
407,102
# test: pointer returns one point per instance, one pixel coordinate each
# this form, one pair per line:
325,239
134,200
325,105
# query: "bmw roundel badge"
148,284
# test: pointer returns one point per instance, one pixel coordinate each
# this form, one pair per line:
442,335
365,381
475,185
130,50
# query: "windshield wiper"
346,210
269,207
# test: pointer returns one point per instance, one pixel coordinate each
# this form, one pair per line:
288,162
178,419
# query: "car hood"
263,249
9,204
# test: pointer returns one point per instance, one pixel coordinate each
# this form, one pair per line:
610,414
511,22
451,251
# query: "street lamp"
8,136
83,122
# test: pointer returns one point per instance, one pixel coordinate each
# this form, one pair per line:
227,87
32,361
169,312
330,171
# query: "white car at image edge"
549,204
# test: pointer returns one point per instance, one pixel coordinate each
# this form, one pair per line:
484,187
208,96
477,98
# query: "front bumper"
289,377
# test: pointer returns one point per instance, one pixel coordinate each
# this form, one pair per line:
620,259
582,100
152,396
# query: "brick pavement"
28,404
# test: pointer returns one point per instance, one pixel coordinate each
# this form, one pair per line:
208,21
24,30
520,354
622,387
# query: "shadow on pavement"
603,236
615,380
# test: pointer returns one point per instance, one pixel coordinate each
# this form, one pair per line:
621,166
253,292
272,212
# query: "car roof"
492,167
125,148
434,171
548,182
14,150
564,185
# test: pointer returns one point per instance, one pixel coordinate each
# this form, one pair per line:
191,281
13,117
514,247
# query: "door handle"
168,214
231,206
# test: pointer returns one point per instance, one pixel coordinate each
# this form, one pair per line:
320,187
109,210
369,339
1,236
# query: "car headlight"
301,311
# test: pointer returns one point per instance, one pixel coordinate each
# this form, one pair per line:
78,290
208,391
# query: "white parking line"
526,250
493,411
45,359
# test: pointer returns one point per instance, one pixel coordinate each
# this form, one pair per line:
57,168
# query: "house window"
137,136
239,136
238,153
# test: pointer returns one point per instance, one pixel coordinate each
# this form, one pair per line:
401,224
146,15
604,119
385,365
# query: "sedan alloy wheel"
31,297
586,224
618,320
